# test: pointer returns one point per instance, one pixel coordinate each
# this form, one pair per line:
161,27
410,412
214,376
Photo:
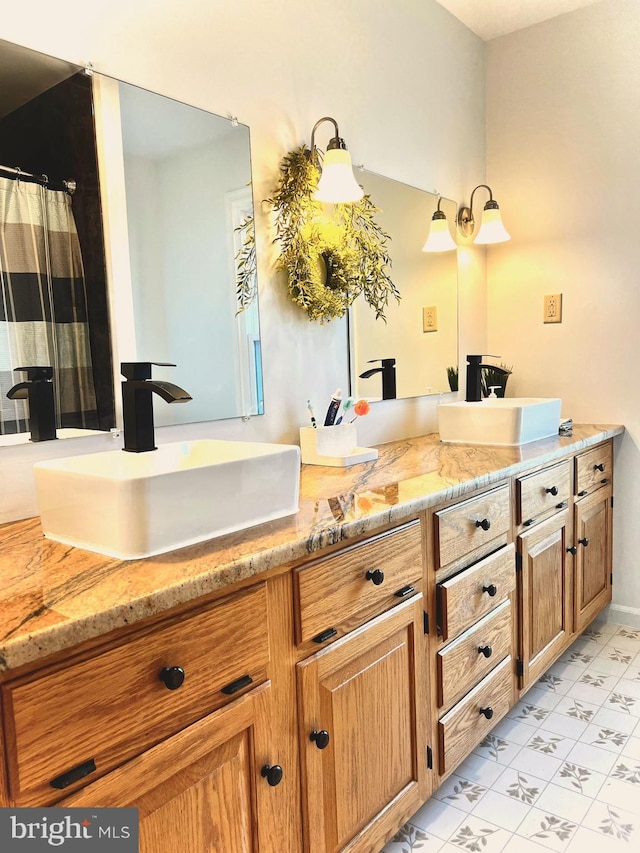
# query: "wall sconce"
491,228
439,239
337,183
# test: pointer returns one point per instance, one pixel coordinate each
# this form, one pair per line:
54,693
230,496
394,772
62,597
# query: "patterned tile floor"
560,772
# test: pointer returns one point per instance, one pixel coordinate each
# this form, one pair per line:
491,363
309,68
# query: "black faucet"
38,391
388,371
137,403
474,376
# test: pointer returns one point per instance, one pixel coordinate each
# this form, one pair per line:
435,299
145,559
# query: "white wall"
405,80
563,160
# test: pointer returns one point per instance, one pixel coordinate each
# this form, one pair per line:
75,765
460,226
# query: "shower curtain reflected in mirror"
43,305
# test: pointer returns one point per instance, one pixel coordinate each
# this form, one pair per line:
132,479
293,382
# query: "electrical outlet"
430,319
553,308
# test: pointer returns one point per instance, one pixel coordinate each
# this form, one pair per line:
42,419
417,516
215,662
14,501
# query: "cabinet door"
593,556
201,790
364,702
545,595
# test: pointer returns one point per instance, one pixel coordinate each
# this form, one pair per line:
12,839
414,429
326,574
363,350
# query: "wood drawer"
331,592
464,726
114,706
467,596
465,661
543,491
594,469
470,524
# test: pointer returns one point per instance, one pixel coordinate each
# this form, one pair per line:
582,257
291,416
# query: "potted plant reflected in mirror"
495,379
452,376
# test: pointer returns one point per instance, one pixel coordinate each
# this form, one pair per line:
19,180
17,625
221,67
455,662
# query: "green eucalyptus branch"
246,270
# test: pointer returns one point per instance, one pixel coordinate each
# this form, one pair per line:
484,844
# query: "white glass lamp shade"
491,229
337,183
439,239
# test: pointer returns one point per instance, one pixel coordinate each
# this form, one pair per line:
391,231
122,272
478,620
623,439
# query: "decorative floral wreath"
329,259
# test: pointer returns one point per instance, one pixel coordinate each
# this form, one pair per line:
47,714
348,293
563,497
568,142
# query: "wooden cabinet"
544,595
364,733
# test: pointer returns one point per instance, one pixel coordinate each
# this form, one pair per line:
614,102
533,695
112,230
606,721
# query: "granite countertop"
53,596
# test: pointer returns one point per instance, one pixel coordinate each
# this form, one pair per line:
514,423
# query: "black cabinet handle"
321,738
604,481
491,589
552,491
599,467
528,522
583,493
376,576
237,685
487,651
584,541
74,775
485,524
273,775
405,591
487,712
172,677
572,550
323,636
561,505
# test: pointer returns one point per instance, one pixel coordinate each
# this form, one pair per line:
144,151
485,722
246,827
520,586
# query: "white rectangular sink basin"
132,505
509,421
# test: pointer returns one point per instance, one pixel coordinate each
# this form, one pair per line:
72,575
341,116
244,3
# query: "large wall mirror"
421,332
174,183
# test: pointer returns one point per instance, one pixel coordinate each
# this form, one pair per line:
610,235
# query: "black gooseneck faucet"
38,391
474,376
388,371
137,403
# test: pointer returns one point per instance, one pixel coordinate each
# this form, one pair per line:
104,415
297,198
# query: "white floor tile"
502,810
631,749
615,720
622,795
607,666
554,684
547,829
614,652
604,738
628,687
478,834
530,761
593,758
570,805
542,698
497,749
575,777
561,724
411,838
548,742
518,844
586,692
587,841
632,673
613,823
514,731
461,793
628,770
628,642
578,708
521,787
619,701
529,713
481,770
604,627
568,671
438,818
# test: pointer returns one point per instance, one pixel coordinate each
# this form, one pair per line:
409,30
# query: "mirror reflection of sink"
131,505
508,421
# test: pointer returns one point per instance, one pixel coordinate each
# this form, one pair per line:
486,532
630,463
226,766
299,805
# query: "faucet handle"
141,370
36,373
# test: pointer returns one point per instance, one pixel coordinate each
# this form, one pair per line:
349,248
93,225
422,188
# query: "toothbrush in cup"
348,404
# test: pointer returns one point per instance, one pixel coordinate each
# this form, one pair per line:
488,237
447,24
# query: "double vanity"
306,683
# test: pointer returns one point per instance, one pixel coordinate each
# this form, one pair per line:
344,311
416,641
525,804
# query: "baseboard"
619,614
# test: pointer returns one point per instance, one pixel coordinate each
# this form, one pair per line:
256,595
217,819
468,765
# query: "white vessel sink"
131,505
511,421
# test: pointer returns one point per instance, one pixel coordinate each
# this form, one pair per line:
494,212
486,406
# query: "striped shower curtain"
43,306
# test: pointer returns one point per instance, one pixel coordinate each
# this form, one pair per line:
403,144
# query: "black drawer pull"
583,493
74,775
405,591
237,685
273,775
323,636
599,467
528,522
485,524
552,491
491,589
572,550
321,738
172,677
604,481
487,651
376,576
487,712
561,505
584,541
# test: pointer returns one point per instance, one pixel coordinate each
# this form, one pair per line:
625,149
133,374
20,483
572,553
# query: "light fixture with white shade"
491,228
337,183
439,239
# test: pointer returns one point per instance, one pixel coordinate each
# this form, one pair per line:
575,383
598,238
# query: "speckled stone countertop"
53,597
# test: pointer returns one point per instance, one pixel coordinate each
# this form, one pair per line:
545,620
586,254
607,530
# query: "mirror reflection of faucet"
474,376
38,391
388,371
137,403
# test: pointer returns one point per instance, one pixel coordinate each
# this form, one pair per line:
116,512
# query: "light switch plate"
553,308
430,318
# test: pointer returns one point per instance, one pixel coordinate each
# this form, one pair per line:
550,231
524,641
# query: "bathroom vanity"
305,684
